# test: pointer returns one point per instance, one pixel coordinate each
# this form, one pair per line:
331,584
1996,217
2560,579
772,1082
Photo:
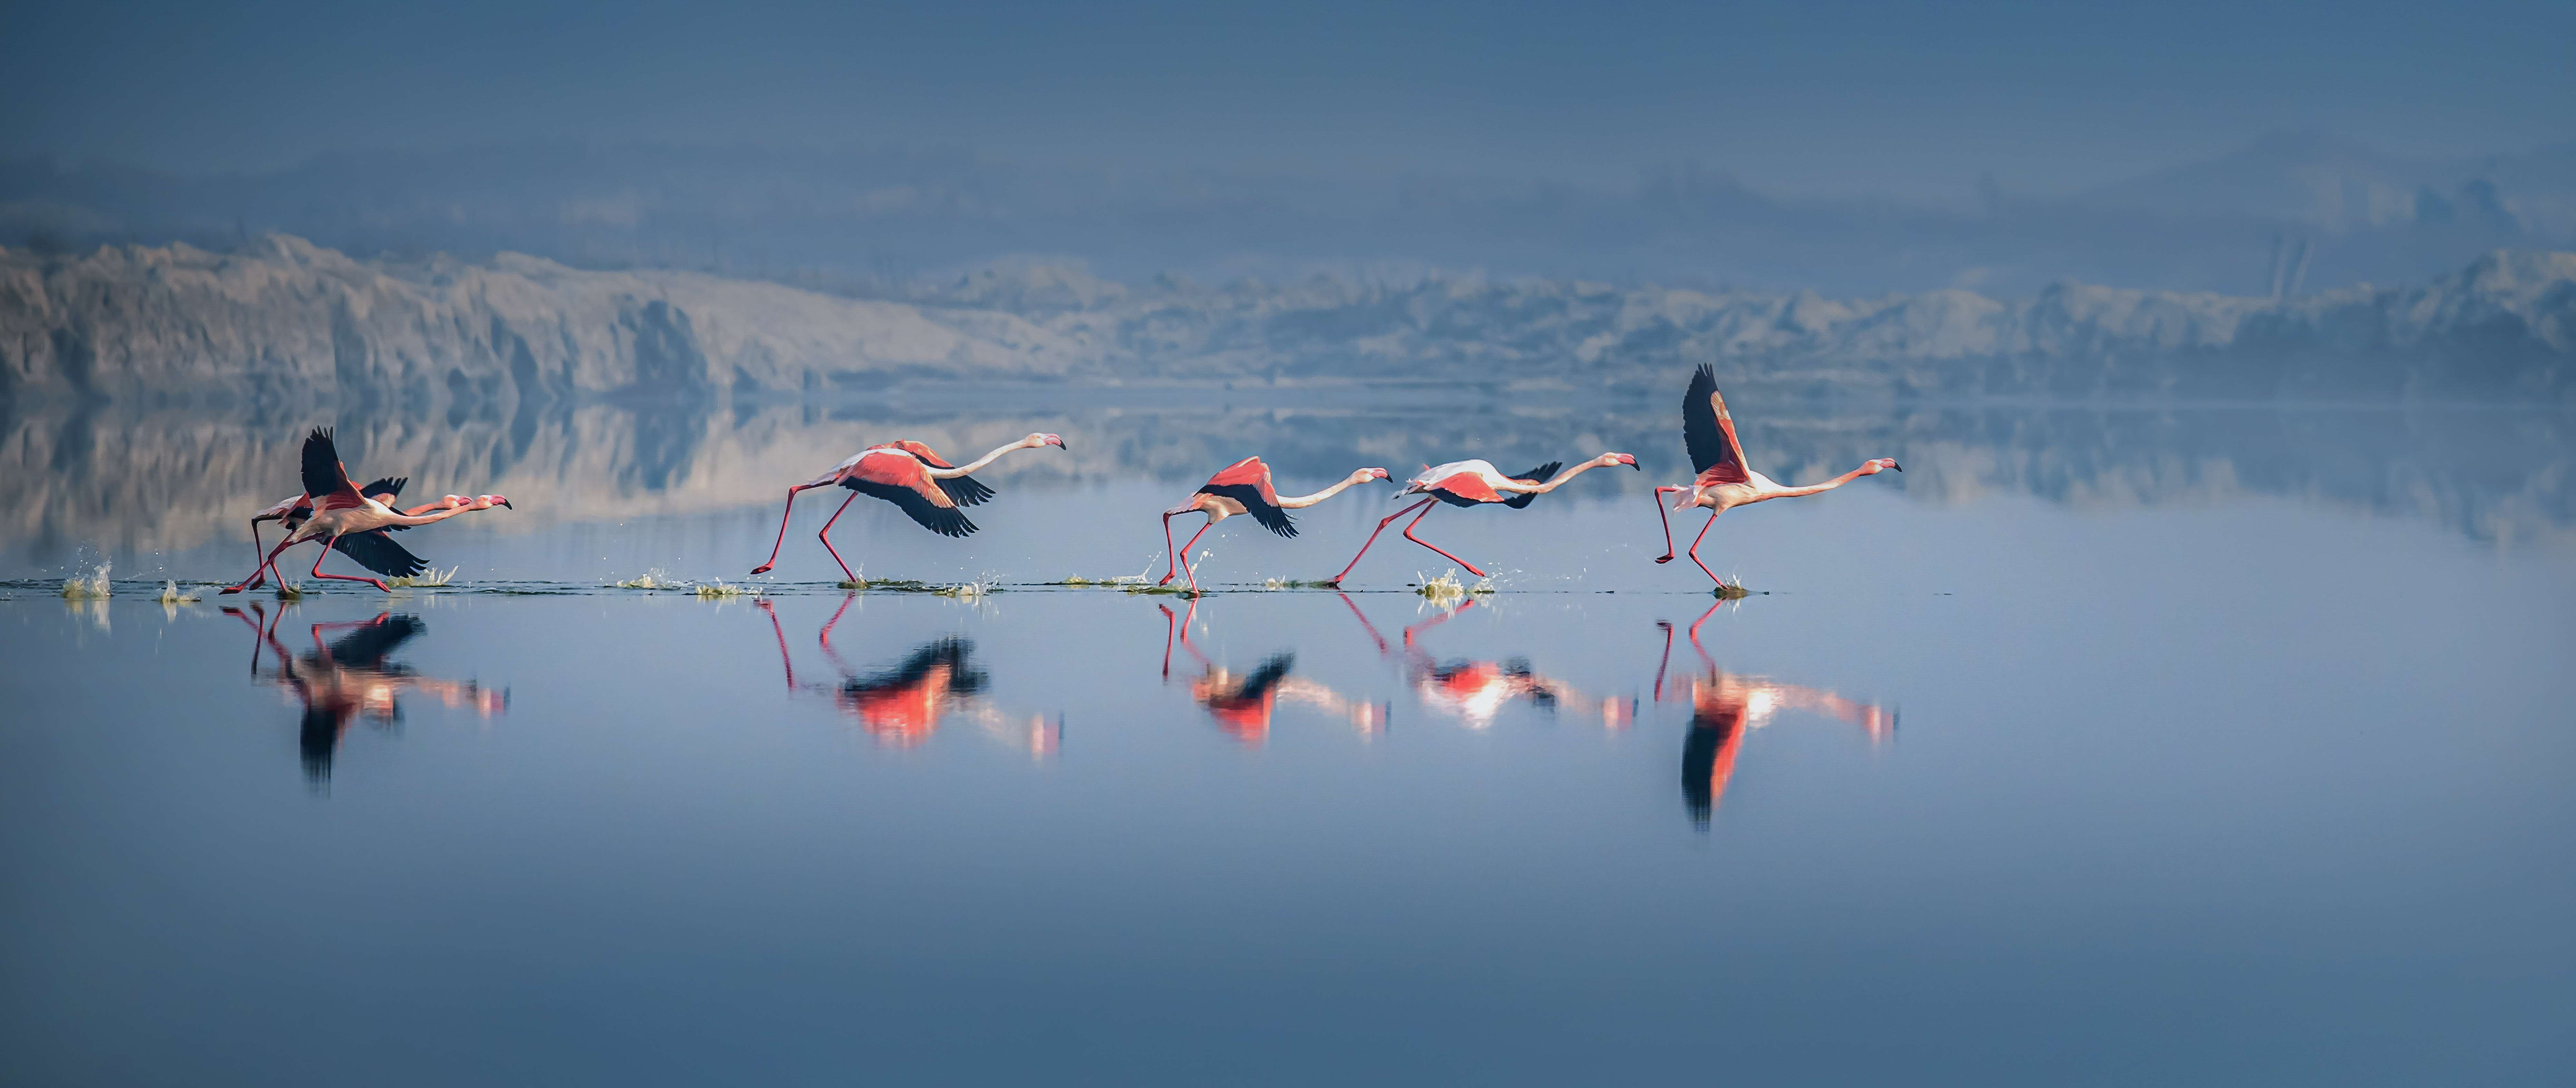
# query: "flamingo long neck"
1810,489
399,518
1303,501
1561,477
980,462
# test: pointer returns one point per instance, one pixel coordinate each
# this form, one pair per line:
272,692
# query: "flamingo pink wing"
1468,485
1247,472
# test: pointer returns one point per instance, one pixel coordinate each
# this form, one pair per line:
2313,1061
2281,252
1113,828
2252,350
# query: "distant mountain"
283,318
2334,185
854,220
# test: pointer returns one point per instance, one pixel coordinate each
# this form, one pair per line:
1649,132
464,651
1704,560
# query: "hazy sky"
1899,99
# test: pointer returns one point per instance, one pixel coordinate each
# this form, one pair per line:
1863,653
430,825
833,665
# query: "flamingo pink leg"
256,578
1408,535
1694,548
1185,565
1336,580
782,528
826,536
1170,552
379,583
1667,518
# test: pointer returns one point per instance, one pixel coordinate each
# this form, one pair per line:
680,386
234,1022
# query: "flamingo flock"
358,521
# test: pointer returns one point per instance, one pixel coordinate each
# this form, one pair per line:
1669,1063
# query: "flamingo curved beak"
1897,467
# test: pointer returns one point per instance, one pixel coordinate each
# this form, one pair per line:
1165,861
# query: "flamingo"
1244,488
1242,703
903,473
1724,482
1725,707
1474,483
340,514
351,676
373,550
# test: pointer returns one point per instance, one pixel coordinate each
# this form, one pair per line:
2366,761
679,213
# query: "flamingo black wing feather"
1538,475
379,553
1254,503
943,520
1710,431
963,490
324,479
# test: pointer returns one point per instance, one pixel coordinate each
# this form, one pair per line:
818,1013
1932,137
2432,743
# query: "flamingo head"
1609,459
1055,440
486,502
1368,474
1882,464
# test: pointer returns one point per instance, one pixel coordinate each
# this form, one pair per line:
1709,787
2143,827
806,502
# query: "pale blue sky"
1900,99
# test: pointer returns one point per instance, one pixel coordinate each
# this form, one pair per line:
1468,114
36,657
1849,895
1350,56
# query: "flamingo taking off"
373,550
352,523
903,473
1724,481
1244,488
1475,483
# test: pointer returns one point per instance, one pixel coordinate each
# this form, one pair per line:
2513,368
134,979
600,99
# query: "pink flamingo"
902,473
1475,483
355,524
1244,488
1724,482
373,550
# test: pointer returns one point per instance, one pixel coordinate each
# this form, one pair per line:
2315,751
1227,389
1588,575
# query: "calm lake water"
2164,745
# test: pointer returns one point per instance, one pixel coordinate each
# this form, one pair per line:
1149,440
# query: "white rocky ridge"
284,317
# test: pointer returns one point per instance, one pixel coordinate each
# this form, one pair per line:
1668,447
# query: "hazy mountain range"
281,318
2294,210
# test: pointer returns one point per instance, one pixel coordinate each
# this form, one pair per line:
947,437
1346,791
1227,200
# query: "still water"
2221,745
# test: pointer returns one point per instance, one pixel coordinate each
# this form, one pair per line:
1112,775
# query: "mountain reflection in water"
144,477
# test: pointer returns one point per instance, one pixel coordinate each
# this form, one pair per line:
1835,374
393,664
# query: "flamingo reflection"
904,704
1475,692
1726,706
1242,703
350,677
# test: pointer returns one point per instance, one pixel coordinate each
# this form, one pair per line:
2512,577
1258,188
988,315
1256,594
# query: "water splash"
655,578
721,590
92,588
172,594
432,577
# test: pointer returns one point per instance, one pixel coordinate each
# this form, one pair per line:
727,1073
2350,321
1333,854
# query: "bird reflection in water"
1242,703
903,705
350,677
1726,706
1475,692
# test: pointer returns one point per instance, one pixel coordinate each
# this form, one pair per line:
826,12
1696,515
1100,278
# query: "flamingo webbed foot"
1667,557
761,569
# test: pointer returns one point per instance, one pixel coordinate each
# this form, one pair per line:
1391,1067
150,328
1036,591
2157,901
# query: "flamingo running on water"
1244,487
355,524
903,473
1475,483
1724,481
372,550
